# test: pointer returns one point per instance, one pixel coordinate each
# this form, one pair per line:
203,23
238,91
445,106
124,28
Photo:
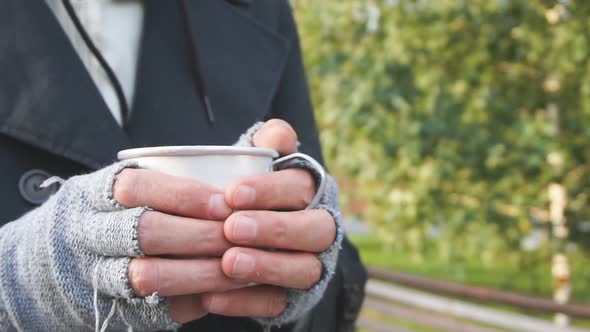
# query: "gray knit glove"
63,266
301,301
5,325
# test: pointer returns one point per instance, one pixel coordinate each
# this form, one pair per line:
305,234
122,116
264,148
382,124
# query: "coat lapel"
47,98
241,60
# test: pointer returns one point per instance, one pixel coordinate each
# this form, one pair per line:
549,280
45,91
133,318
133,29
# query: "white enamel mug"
218,166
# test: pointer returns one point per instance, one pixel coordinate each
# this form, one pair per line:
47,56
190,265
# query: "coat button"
30,190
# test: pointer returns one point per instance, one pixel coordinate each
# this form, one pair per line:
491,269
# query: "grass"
532,280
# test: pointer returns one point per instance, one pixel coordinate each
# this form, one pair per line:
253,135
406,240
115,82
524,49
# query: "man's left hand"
271,215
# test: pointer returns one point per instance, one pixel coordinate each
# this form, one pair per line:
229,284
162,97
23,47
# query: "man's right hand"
183,240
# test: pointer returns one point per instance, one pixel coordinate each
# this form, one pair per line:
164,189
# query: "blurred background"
458,131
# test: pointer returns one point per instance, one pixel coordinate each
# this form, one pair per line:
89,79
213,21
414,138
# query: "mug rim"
194,150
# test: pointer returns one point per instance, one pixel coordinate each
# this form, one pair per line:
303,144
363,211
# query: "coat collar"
48,100
241,63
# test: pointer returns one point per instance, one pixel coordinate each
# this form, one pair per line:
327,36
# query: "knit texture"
63,266
5,325
54,258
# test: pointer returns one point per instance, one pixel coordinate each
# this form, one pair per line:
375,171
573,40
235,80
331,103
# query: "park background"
458,130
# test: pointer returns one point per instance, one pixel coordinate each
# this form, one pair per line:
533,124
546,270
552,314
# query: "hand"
303,232
185,222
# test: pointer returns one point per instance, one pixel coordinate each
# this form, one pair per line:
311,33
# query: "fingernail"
244,196
217,207
243,265
245,228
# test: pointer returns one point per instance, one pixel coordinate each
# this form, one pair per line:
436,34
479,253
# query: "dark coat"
53,120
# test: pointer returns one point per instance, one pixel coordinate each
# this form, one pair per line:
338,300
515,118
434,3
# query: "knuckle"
124,188
280,231
272,275
139,278
184,197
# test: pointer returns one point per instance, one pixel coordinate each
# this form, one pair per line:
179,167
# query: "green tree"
452,118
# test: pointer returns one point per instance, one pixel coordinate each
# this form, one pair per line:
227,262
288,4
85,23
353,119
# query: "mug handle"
318,172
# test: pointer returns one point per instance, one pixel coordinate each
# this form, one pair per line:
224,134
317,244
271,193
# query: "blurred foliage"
536,281
451,118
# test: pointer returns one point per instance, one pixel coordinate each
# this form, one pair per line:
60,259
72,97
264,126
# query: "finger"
276,134
170,277
290,189
163,234
169,194
307,230
291,270
183,309
259,301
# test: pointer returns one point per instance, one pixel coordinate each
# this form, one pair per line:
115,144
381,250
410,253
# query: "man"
91,255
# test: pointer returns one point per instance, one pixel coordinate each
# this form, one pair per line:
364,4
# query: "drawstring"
195,63
109,71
